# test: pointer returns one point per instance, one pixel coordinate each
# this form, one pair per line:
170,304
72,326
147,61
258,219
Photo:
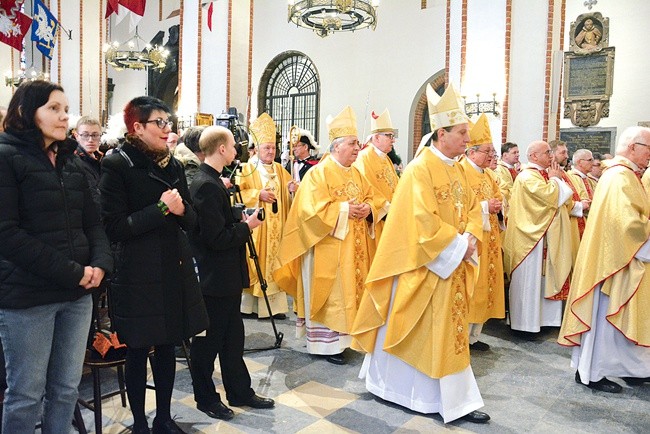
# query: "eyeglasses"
87,136
642,144
586,159
161,123
488,153
390,136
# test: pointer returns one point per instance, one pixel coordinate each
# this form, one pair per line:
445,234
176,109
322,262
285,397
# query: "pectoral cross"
457,192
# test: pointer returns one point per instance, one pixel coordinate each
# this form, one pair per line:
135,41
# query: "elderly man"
583,163
488,299
537,243
325,251
413,318
375,165
606,319
303,160
266,185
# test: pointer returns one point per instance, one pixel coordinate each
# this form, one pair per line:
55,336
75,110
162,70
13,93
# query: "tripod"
236,192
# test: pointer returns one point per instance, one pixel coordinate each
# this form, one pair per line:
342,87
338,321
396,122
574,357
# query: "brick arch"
420,112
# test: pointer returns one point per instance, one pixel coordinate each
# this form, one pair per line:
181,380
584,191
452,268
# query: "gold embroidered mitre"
479,133
381,123
263,129
446,110
343,124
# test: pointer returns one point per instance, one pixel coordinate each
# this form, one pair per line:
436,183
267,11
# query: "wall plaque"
602,140
588,70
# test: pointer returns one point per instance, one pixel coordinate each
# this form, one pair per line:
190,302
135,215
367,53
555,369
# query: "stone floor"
527,387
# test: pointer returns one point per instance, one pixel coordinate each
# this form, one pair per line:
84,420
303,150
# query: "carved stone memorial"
588,70
600,140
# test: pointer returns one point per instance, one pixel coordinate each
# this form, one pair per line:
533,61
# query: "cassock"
488,299
413,317
378,169
300,167
253,179
537,249
606,320
324,256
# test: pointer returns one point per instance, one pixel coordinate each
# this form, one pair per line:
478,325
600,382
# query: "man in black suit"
219,244
303,160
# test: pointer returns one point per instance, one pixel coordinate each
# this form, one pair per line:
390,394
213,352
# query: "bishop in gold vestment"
325,252
488,299
607,319
537,242
265,184
375,165
412,321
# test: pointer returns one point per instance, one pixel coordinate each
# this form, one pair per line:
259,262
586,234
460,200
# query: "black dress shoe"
144,429
635,381
336,359
216,410
254,402
166,427
476,417
479,346
280,316
603,385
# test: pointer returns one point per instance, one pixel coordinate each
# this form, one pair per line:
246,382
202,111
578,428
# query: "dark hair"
191,138
306,141
434,137
139,109
507,146
597,156
29,97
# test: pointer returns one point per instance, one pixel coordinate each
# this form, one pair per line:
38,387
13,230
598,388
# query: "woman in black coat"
155,296
53,251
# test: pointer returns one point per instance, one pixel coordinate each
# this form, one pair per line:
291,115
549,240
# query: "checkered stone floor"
526,386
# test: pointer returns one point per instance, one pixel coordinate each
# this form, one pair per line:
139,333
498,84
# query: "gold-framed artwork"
204,119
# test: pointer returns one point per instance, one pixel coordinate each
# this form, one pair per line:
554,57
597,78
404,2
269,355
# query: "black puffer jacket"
49,227
155,295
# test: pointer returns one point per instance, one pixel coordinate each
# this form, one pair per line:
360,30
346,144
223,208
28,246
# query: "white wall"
527,72
631,92
366,70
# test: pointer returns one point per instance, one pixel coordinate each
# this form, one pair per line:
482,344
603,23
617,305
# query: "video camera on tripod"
232,121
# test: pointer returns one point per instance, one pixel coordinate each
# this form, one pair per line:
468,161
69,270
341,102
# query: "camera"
239,209
231,121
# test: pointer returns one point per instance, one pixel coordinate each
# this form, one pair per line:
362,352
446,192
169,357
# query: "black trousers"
224,337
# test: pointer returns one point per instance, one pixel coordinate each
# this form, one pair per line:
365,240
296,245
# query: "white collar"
448,161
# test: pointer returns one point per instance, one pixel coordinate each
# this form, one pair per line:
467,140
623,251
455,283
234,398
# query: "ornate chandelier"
23,75
328,16
129,55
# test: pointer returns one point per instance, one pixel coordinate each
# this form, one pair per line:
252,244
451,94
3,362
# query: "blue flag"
44,29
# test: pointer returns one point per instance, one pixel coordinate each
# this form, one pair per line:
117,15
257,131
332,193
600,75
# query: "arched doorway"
420,124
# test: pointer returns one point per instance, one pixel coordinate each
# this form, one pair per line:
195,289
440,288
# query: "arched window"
420,110
290,92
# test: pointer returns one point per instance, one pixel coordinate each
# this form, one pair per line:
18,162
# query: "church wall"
366,70
628,22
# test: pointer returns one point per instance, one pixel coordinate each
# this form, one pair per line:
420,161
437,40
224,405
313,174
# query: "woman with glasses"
155,296
53,252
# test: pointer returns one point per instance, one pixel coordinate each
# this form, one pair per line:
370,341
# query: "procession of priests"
407,269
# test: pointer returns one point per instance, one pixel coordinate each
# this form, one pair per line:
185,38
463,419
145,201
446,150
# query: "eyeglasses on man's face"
488,153
161,123
389,136
93,136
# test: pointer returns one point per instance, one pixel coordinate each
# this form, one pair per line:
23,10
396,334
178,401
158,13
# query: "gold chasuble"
253,179
428,326
341,245
380,173
534,217
488,300
617,227
506,179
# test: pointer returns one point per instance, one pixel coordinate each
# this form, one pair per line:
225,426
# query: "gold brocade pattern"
350,190
273,226
359,230
459,310
387,175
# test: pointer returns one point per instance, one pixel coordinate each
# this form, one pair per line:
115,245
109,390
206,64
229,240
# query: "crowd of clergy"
408,268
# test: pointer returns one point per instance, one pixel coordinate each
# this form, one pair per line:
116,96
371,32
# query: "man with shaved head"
537,244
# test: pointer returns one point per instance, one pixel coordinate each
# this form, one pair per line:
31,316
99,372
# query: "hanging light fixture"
130,55
325,17
24,75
